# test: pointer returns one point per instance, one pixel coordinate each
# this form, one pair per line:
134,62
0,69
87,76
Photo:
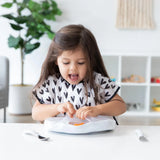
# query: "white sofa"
4,84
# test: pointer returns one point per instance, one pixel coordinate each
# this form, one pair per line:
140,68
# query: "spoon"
36,134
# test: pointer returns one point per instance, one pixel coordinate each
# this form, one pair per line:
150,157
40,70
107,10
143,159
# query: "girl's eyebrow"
65,58
77,59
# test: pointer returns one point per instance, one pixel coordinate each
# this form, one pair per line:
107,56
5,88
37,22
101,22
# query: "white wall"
97,15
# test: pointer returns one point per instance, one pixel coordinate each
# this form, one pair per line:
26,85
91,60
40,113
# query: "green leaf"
51,35
34,31
26,1
41,27
7,5
16,27
19,19
37,17
30,47
50,17
59,12
22,19
45,5
14,42
54,4
33,6
34,35
9,16
21,8
45,12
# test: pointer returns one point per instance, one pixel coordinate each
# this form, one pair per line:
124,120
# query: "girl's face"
72,66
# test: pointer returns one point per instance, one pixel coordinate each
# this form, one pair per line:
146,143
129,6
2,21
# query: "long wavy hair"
72,37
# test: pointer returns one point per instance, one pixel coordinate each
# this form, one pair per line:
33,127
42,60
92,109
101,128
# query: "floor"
123,120
10,118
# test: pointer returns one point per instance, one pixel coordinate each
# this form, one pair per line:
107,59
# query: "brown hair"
72,37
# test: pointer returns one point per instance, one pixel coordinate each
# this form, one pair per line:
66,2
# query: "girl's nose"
73,67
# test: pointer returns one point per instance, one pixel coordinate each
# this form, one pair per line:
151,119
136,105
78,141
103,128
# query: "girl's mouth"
73,77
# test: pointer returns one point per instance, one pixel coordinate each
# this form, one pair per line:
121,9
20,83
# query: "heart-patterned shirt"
57,90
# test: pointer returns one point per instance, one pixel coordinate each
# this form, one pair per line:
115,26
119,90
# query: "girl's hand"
85,111
66,107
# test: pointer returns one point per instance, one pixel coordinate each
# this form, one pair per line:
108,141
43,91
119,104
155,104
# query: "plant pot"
20,102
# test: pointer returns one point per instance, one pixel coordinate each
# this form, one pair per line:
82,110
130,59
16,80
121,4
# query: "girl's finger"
61,109
81,114
87,113
71,108
70,115
78,113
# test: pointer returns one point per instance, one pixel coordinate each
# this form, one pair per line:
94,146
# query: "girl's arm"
114,107
42,111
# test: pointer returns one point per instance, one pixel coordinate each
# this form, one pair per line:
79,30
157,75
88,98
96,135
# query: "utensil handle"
32,133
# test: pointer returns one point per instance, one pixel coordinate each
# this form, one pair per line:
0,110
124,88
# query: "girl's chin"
74,82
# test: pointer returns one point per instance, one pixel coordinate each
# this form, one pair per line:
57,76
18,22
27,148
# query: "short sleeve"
107,88
43,93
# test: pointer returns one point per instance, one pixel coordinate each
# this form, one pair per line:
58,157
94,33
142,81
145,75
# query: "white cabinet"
138,95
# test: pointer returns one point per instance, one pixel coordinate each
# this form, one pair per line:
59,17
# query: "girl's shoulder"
107,87
99,78
53,79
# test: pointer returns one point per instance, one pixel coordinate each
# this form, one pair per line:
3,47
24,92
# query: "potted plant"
29,21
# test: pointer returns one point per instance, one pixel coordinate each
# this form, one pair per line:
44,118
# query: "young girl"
74,80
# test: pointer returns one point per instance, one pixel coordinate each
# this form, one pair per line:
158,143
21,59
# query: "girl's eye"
81,63
65,63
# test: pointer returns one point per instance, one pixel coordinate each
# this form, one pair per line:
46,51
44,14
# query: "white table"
120,144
